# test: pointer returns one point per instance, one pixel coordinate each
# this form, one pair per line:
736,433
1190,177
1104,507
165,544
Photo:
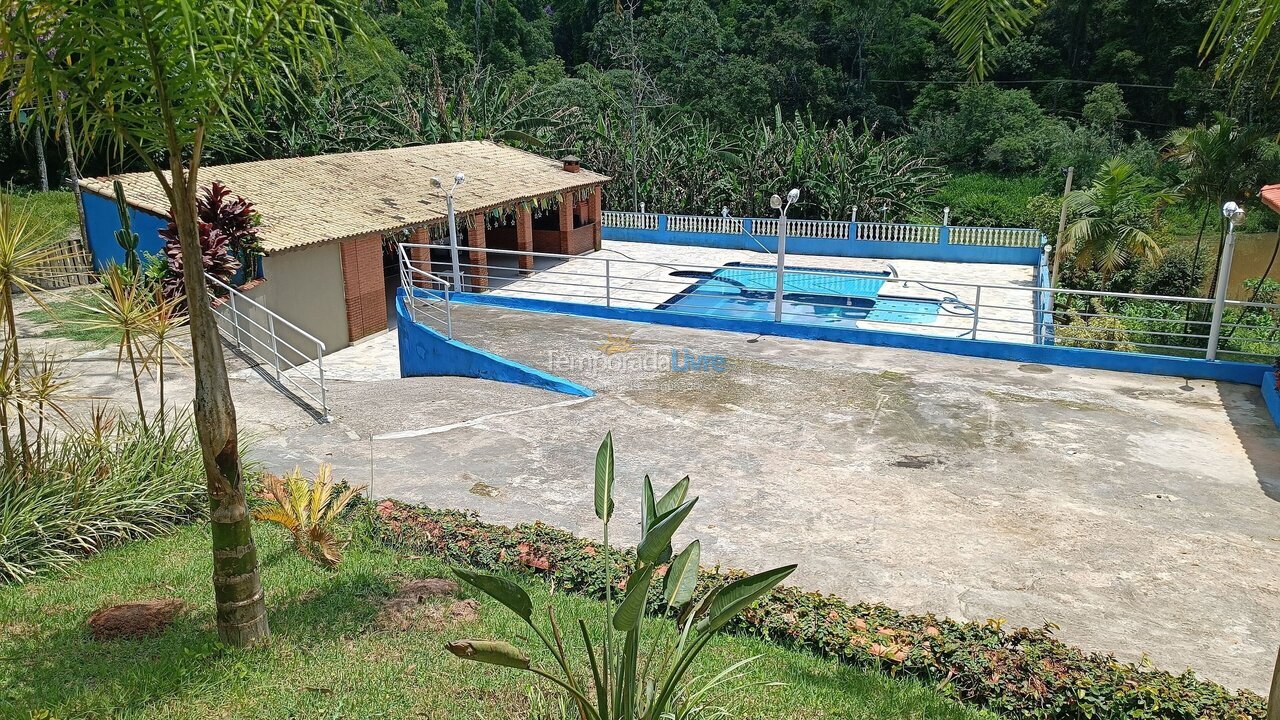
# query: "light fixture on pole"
776,203
458,179
1234,215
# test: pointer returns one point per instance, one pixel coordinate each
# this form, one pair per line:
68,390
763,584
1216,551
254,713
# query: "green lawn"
63,319
53,211
329,656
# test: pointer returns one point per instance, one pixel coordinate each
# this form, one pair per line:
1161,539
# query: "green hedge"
1020,673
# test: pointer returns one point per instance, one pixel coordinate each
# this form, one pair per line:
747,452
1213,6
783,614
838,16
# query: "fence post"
275,344
662,222
977,311
608,295
944,235
235,320
747,225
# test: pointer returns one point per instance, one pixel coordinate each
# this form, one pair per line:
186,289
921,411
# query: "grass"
66,319
53,211
328,657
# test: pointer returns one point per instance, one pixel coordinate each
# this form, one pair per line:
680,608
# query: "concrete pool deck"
1141,514
640,278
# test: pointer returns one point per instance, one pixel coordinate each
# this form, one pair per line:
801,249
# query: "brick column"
420,257
566,221
524,236
364,288
596,216
479,258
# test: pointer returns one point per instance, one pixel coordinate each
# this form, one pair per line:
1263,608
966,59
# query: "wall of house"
304,286
102,220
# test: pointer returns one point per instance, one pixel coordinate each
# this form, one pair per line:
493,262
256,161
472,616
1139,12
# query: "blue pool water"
832,297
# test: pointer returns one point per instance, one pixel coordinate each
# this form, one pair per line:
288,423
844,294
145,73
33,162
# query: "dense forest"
700,105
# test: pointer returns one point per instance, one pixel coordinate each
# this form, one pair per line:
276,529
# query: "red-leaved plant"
228,238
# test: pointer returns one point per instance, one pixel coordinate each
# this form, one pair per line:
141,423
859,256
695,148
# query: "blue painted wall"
425,352
1271,396
942,250
102,220
1248,373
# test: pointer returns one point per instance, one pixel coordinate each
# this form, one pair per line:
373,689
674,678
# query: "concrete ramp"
425,352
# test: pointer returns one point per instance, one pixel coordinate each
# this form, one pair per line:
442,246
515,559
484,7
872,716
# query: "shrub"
228,238
94,488
1172,273
1018,673
627,685
308,509
1094,332
986,200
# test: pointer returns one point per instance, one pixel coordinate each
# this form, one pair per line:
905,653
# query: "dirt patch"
134,619
426,604
918,462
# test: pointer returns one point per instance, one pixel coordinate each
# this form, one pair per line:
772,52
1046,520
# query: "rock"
134,619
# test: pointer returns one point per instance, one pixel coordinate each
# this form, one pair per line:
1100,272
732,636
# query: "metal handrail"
237,318
409,277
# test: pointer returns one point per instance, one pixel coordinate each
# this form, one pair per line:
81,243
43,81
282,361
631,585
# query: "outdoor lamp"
459,179
1234,215
775,202
724,211
794,195
1233,212
435,182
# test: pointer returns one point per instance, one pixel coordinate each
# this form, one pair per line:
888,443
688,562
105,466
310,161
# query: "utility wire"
1023,82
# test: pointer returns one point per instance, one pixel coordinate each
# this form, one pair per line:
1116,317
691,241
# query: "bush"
1018,673
986,200
1172,273
94,489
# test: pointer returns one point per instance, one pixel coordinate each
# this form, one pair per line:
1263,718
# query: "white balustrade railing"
629,220
821,229
827,229
704,224
895,232
995,237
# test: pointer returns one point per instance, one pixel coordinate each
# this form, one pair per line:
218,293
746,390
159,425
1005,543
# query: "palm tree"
1115,219
1219,163
976,27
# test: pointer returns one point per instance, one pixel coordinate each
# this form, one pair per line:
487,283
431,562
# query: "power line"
1024,82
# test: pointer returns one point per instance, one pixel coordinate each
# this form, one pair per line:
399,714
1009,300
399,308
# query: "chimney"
572,164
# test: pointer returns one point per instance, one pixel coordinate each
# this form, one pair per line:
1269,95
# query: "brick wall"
363,286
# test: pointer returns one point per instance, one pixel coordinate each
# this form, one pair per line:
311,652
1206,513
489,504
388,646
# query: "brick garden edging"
1021,673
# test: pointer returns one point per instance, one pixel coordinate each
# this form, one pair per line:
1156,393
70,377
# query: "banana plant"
613,686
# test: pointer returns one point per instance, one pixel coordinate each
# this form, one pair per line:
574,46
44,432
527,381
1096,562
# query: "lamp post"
776,203
458,179
1234,214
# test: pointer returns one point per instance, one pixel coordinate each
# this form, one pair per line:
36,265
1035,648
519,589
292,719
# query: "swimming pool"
810,296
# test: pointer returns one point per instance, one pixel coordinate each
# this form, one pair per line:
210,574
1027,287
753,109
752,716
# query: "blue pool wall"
1222,370
102,220
425,352
1271,396
942,250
